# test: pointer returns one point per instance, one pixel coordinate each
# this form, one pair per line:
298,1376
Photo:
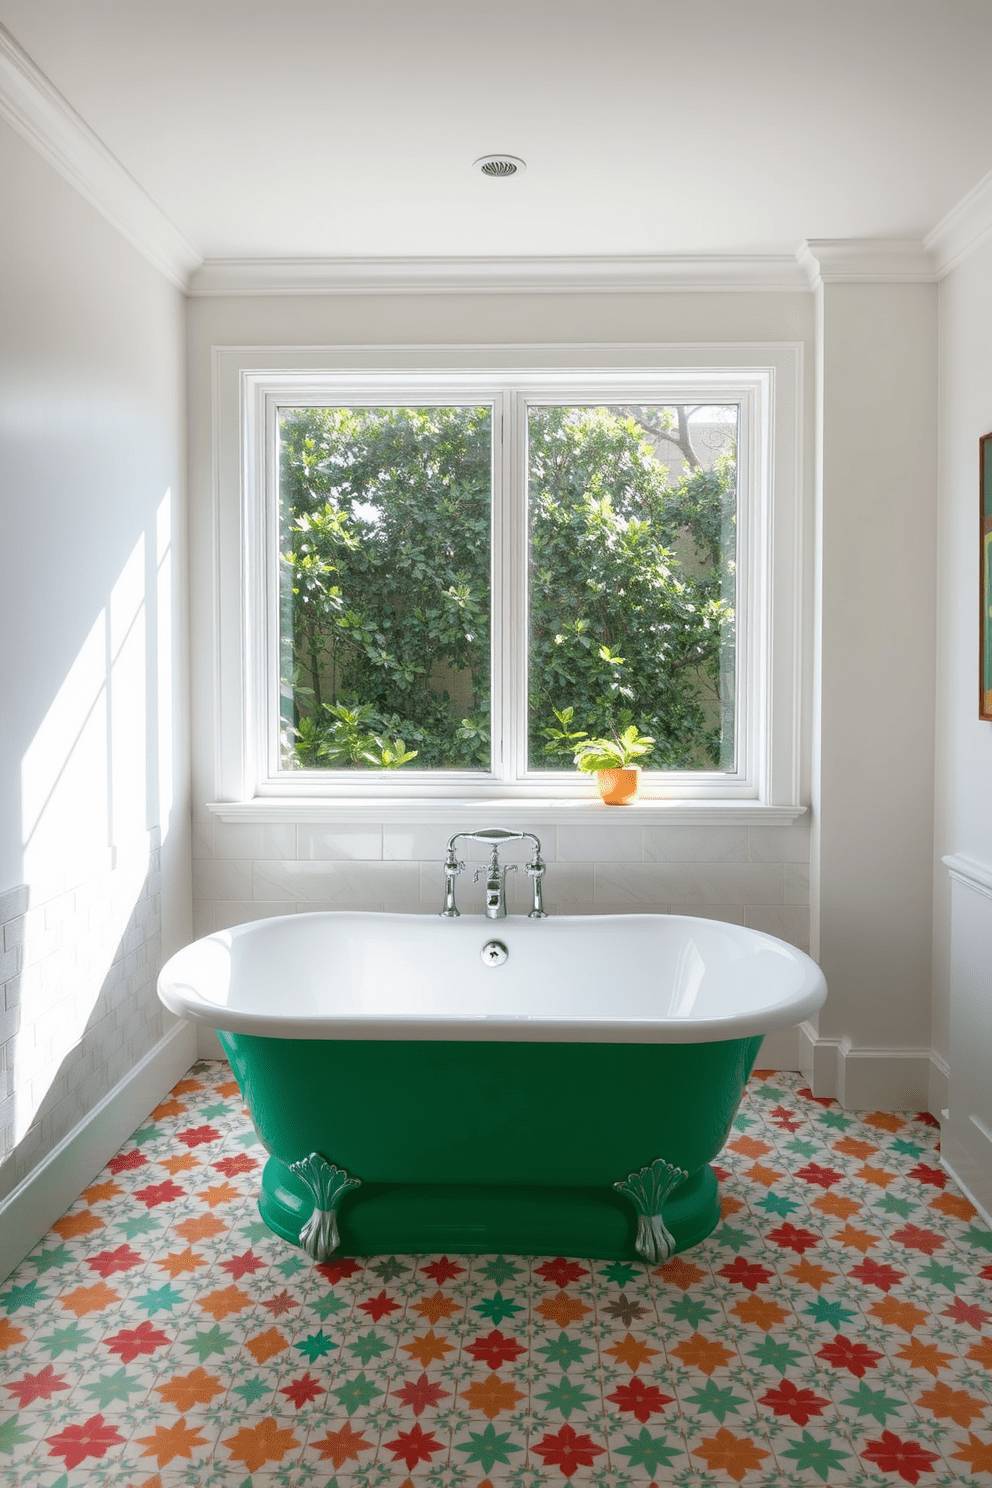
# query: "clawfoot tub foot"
319,1236
647,1190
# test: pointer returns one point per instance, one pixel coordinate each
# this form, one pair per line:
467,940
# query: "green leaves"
613,754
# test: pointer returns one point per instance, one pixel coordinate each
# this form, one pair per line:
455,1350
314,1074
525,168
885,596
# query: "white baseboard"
872,1079
973,1177
30,1210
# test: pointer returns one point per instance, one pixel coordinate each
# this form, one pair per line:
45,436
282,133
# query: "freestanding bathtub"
554,1086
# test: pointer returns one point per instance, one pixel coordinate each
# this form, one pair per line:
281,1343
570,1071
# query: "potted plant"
612,762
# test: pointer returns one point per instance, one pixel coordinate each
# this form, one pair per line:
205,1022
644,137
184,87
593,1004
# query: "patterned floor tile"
836,1329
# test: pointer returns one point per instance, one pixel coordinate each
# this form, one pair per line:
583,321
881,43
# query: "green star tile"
874,1403
775,1353
813,1455
315,1346
146,1134
742,1122
45,1260
205,1345
565,1397
488,1447
733,1238
691,1310
650,1452
497,1307
28,1295
500,1270
980,1238
327,1305
833,1313
564,1351
906,1149
12,1434
769,1093
159,1299
253,1389
777,1204
255,1231
117,1386
290,1266
369,1346
355,1393
66,1340
714,1401
137,1224
836,1120
210,1113
942,1276
620,1272
801,1148
890,1204
389,1268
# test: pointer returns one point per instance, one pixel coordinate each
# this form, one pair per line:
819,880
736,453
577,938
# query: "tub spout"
495,876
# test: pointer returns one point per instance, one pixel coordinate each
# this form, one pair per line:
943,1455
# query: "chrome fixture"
494,953
499,167
494,874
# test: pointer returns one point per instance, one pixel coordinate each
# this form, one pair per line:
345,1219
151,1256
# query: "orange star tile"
760,1174
734,1455
750,1146
428,1348
680,1272
166,1109
222,1303
704,1354
227,1089
219,1193
202,1228
896,1314
181,1163
89,1299
99,1193
851,1147
186,1087
856,1239
632,1352
181,1261
884,1120
266,1345
9,1335
256,1445
168,1442
836,1204
186,1390
878,1176
925,1356
492,1395
954,1405
811,1274
956,1205
563,1309
436,1307
761,1312
73,1225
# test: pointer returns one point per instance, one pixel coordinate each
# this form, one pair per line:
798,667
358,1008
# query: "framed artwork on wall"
985,578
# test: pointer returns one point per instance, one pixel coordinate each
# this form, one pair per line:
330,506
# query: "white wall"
874,716
962,1001
94,803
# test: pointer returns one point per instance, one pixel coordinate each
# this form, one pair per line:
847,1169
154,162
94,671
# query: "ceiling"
325,128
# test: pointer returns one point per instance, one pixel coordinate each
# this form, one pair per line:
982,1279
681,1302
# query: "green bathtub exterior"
481,1147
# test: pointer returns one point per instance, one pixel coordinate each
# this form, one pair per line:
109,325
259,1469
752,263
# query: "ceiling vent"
499,167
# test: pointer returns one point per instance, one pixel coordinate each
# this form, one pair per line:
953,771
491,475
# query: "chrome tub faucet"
494,874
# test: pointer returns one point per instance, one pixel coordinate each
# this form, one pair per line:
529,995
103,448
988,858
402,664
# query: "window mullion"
510,590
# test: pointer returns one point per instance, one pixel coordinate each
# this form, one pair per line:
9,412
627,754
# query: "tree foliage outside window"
385,560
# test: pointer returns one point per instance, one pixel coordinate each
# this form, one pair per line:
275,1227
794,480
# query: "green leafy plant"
613,754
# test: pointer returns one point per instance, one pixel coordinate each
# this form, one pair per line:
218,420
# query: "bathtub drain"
494,953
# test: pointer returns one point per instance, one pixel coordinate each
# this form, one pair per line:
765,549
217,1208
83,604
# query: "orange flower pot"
619,787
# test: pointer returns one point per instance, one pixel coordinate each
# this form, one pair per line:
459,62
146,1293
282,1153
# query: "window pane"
384,543
632,581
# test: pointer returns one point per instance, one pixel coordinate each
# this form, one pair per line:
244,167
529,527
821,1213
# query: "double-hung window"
450,579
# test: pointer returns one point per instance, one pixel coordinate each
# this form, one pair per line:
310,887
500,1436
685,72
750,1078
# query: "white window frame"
251,385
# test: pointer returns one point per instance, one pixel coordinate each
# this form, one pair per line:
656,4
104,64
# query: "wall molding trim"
970,872
39,113
30,1210
505,275
964,228
866,261
870,1079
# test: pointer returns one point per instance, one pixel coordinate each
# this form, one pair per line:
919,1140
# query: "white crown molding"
965,226
507,275
970,872
866,261
32,106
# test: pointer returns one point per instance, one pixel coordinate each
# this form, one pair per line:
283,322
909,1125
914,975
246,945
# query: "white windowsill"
551,810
